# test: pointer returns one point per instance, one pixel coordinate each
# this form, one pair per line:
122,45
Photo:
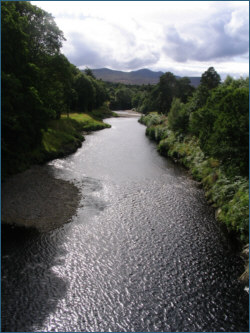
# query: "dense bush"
222,126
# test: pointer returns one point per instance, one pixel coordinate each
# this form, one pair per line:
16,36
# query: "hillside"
141,76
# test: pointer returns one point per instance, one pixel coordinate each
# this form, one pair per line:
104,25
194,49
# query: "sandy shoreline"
35,198
128,113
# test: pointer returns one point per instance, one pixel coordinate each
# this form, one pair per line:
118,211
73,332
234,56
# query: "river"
143,252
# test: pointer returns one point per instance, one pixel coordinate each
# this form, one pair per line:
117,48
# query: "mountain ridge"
140,76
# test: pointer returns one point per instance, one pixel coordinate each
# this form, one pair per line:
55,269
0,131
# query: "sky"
183,37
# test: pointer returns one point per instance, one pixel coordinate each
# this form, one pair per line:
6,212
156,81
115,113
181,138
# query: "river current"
143,252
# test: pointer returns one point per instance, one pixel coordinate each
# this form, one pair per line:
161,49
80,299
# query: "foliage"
122,99
228,193
235,214
185,90
147,98
210,78
89,72
198,99
152,119
166,91
222,125
30,49
160,96
85,93
178,116
38,82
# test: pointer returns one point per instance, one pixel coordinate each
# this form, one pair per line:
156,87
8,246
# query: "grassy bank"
227,194
62,137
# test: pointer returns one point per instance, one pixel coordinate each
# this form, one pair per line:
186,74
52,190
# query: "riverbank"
65,135
34,198
228,195
62,137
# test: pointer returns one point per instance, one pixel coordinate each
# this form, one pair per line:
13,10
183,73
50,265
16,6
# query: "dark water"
143,253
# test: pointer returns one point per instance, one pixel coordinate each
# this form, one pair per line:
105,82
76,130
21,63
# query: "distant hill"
142,76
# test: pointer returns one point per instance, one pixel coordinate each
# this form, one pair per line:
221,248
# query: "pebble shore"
35,198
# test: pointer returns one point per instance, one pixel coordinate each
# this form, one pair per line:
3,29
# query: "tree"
185,90
30,40
210,79
89,72
222,125
123,99
167,90
101,93
199,99
56,82
85,92
178,116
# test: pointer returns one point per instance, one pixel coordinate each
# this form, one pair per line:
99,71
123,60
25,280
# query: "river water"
143,252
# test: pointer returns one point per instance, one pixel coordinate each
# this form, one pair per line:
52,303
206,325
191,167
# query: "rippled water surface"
143,252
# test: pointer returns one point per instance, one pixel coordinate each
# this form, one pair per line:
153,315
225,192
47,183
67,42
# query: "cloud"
136,63
223,36
177,47
184,36
83,52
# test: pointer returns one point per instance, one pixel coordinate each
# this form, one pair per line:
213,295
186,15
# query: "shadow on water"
30,288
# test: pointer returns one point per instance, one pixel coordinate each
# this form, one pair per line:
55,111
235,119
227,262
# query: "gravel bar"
35,198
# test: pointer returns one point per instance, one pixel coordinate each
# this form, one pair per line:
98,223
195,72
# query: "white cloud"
185,36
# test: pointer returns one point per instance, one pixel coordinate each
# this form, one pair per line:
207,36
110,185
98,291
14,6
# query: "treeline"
160,96
126,96
146,98
209,135
38,81
216,113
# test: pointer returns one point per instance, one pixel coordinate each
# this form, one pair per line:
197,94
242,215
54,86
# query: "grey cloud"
88,54
177,47
214,41
83,53
221,44
136,63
